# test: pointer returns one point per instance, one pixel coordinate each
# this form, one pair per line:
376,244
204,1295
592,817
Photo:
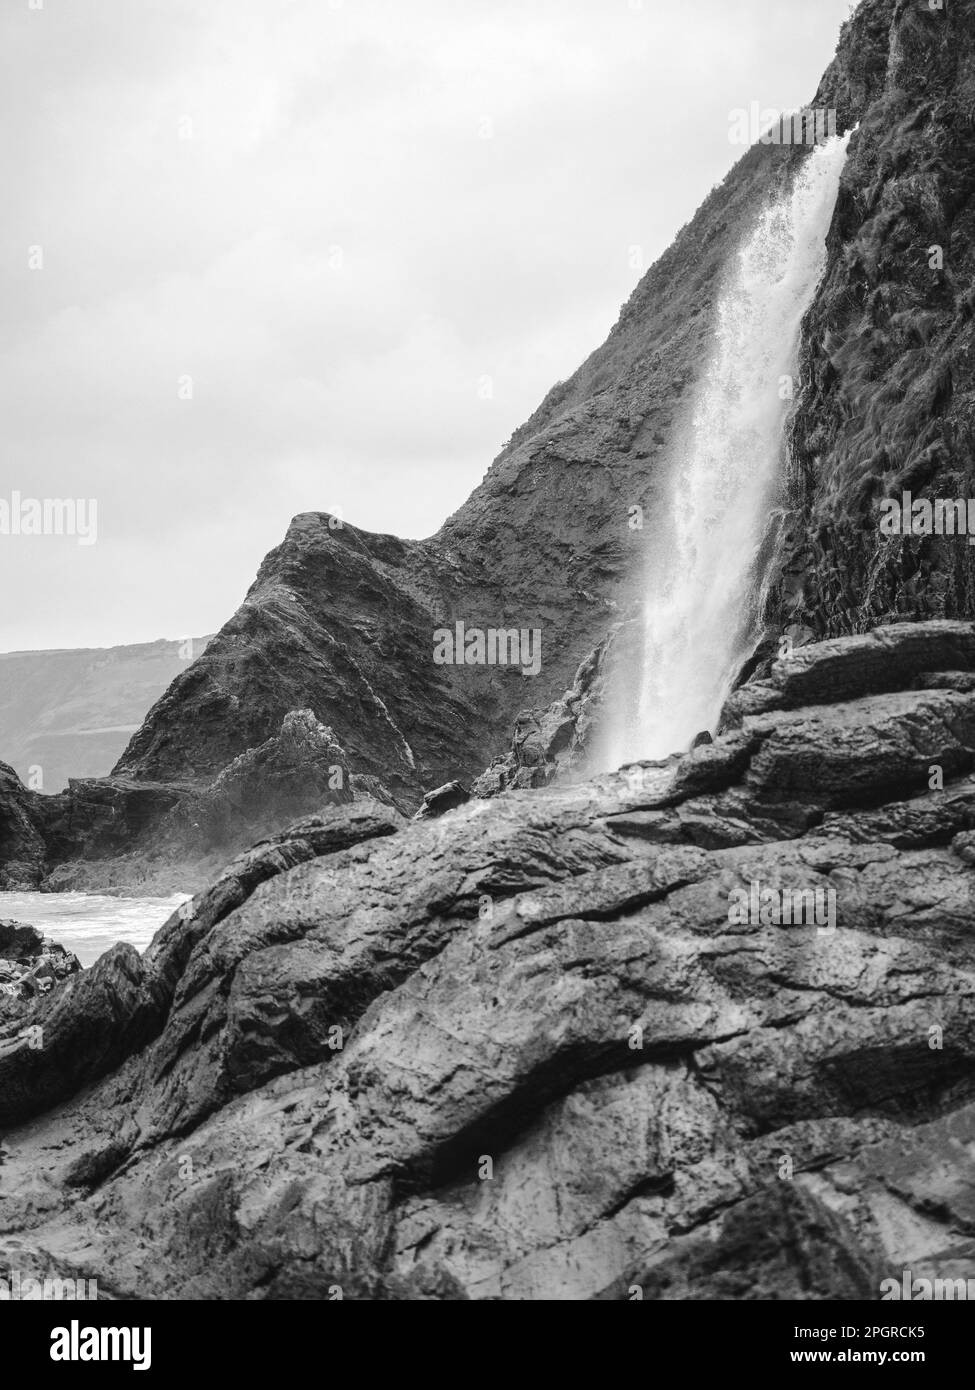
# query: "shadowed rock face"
122,1001
557,1044
556,743
888,343
22,849
122,831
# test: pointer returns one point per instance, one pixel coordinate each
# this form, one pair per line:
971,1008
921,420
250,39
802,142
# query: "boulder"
443,799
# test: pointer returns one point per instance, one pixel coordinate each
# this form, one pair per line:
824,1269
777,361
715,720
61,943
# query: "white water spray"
701,614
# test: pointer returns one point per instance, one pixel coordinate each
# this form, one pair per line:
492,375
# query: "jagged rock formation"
116,1006
889,344
177,835
442,799
22,848
579,1038
536,1048
297,771
556,742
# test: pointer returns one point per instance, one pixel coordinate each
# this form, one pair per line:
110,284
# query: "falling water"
701,616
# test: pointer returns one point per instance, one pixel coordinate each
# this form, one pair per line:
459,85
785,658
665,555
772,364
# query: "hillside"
70,713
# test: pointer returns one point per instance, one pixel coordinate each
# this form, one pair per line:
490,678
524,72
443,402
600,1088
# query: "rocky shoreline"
529,1050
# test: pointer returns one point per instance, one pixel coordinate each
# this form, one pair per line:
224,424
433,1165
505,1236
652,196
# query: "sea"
89,923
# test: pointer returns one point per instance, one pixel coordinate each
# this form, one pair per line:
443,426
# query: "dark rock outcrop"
557,742
22,849
300,770
887,356
119,831
570,1043
78,1033
443,799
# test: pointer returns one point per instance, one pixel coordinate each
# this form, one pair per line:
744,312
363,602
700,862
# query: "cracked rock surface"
531,1049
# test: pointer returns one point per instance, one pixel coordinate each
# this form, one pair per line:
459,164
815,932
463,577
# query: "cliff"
889,347
343,623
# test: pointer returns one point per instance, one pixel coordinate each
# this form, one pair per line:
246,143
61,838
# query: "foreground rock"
95,1022
559,1044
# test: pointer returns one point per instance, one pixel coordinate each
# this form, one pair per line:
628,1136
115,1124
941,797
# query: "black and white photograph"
487,671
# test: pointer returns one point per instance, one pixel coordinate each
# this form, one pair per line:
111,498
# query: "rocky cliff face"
889,346
343,623
699,1031
23,852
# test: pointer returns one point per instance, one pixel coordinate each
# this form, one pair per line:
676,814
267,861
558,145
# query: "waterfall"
703,590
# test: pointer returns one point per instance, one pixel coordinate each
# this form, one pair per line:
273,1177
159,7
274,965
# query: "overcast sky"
306,255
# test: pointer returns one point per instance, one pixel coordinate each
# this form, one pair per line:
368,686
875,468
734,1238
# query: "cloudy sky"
260,257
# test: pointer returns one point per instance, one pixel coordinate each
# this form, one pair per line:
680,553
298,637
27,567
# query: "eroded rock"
555,1045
